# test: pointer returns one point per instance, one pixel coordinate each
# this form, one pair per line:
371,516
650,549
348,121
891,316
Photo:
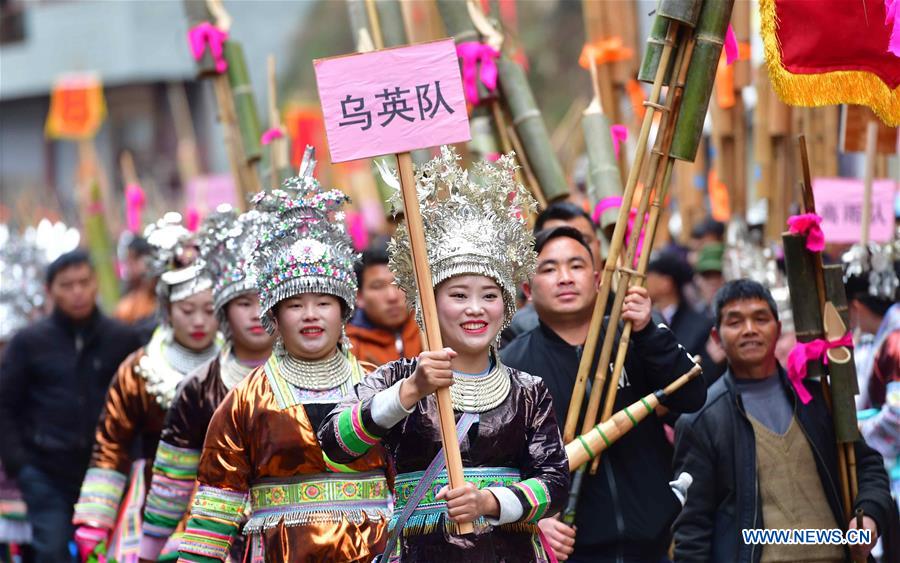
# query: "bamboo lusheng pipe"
800,268
658,183
846,453
710,37
595,441
244,102
618,236
603,177
684,11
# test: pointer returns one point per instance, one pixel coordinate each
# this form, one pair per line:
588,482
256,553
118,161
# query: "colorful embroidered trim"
174,471
538,498
431,513
205,538
336,467
222,504
125,541
101,493
352,436
317,498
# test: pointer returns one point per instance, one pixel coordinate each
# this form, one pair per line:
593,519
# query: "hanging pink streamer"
731,46
270,135
192,219
356,226
619,135
473,54
205,34
804,352
134,205
615,201
892,18
808,224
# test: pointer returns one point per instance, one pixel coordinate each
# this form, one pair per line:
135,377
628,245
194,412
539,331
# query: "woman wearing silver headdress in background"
479,249
261,444
139,396
226,241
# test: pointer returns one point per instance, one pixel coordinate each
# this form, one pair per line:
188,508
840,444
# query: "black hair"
739,290
140,247
70,259
372,256
671,264
857,289
560,211
709,226
545,236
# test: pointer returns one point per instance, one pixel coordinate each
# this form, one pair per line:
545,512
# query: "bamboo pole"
617,239
279,160
871,146
595,441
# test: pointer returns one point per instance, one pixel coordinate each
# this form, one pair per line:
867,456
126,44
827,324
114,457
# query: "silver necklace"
184,360
318,375
480,393
231,370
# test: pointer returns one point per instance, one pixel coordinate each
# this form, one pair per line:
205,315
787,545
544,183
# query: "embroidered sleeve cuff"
98,502
355,430
387,410
510,507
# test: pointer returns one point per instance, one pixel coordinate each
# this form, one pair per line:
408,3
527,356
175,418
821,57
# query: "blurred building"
139,49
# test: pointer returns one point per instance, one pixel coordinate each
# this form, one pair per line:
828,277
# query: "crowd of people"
264,394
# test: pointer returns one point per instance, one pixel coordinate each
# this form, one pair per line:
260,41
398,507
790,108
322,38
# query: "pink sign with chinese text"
839,201
392,101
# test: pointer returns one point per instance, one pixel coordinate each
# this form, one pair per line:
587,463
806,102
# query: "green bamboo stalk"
196,13
684,11
710,36
800,267
653,52
101,249
603,178
529,124
843,402
244,101
837,295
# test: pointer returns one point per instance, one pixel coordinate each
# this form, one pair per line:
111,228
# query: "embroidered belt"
318,498
431,512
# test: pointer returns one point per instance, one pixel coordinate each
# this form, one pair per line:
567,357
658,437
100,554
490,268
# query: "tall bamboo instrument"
692,34
818,316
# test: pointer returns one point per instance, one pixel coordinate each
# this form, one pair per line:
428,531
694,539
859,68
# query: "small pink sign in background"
839,201
392,101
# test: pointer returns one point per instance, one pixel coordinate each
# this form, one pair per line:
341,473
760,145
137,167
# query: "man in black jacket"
625,511
762,459
53,381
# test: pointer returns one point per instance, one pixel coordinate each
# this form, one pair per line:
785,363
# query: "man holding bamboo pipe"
760,457
625,510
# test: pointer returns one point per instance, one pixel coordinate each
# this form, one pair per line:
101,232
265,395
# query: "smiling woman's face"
310,325
470,312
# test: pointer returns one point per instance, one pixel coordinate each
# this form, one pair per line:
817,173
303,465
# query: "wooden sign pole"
429,315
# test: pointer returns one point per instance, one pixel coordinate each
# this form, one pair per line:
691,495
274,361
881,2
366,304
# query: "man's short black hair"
563,231
75,257
372,256
560,211
739,290
140,247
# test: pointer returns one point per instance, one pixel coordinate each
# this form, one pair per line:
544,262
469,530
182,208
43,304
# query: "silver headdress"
227,241
306,249
173,253
473,225
22,265
875,261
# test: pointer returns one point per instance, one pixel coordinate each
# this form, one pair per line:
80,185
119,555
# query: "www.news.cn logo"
807,537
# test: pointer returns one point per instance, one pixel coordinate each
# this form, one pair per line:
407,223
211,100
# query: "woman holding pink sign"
479,248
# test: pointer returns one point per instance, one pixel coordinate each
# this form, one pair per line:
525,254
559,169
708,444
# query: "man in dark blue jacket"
625,510
760,458
53,380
